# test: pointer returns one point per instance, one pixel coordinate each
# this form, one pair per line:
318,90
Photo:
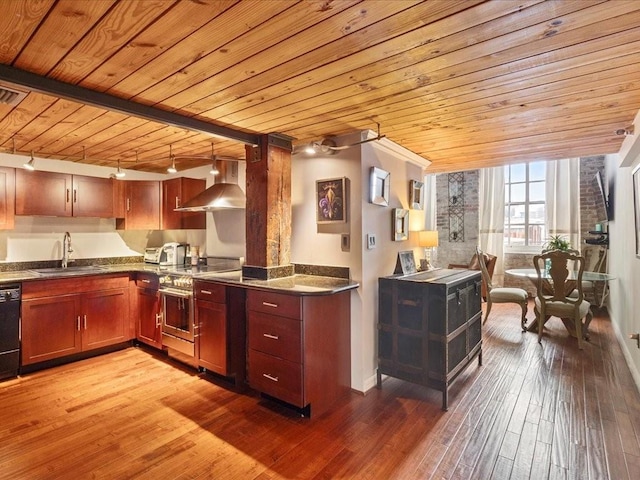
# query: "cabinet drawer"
146,280
276,377
278,336
212,292
275,303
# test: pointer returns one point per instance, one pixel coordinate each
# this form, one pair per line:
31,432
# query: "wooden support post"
268,211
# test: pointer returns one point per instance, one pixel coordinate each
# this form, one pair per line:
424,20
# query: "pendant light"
172,168
214,170
30,165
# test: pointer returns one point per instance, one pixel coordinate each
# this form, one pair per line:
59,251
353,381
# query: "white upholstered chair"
502,294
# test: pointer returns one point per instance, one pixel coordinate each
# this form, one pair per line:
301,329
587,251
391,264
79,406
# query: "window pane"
537,171
514,235
536,192
536,213
518,192
518,172
537,234
516,214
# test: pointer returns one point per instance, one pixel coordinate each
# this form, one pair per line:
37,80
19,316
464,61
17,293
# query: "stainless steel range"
179,331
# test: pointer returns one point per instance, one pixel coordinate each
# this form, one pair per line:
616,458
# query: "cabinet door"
7,198
92,197
212,322
50,328
175,193
43,193
105,317
142,205
149,323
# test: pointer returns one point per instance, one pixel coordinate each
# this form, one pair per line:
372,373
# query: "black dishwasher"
9,331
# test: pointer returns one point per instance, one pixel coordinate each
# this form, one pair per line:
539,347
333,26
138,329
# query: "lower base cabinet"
56,324
220,319
148,310
429,327
299,347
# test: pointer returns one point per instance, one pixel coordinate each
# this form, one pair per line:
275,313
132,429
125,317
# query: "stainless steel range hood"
224,194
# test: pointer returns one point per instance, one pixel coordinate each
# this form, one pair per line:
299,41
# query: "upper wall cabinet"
138,204
63,195
175,193
7,198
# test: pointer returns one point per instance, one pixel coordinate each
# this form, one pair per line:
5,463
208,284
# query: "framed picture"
400,224
331,201
380,183
416,195
405,264
636,206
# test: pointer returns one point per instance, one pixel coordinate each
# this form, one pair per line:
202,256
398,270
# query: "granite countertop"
301,284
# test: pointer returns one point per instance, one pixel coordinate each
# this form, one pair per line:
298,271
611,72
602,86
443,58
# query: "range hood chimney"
222,195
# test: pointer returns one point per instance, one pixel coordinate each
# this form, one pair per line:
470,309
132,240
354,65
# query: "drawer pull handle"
85,322
78,322
146,280
269,335
269,304
206,292
270,377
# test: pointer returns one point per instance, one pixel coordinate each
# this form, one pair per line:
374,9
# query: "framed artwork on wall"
400,224
416,195
380,184
331,200
636,206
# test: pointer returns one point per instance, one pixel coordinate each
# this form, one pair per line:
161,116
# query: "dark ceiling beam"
11,76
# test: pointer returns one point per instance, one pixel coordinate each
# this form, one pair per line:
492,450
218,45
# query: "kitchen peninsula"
289,338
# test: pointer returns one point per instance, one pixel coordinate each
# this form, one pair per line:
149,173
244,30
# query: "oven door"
178,315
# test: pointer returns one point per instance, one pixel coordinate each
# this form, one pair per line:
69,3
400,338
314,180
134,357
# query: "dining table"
587,276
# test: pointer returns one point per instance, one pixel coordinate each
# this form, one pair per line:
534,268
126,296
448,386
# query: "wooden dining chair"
502,294
556,294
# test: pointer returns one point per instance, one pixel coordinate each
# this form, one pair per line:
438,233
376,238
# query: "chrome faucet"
66,249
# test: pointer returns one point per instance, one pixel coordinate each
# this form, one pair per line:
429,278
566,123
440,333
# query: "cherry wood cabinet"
57,323
141,204
175,193
220,317
62,195
299,347
7,198
429,327
148,312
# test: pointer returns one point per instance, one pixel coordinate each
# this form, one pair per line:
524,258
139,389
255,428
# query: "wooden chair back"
554,285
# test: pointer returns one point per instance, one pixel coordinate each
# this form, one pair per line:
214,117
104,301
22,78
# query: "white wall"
321,244
624,304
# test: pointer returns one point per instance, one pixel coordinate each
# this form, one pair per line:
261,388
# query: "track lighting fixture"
119,173
625,131
30,165
214,170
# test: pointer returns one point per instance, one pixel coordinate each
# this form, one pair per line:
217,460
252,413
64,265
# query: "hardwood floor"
530,411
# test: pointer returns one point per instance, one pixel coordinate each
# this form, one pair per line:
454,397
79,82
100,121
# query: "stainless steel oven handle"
176,293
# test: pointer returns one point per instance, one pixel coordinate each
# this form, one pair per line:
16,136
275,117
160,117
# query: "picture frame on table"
331,200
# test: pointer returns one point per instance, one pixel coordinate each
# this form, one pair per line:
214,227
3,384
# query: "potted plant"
557,242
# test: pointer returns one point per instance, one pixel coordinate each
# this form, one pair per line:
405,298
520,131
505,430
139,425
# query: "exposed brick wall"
591,212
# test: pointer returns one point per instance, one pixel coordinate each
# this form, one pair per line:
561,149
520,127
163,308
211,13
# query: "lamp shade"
428,238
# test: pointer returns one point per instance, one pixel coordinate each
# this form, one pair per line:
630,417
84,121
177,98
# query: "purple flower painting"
331,202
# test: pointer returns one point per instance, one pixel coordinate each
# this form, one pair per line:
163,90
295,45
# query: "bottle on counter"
194,256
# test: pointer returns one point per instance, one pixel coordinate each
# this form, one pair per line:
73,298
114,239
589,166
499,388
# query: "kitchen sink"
59,271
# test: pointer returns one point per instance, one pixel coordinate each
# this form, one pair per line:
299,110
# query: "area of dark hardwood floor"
530,411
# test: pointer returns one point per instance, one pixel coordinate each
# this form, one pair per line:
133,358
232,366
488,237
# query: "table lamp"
427,239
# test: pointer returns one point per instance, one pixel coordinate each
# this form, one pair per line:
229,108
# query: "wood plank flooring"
530,411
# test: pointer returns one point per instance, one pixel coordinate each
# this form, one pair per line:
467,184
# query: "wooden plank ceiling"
463,83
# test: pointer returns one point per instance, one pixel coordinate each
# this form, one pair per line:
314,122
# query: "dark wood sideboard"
429,326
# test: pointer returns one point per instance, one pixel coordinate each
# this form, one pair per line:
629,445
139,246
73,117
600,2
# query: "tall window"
524,222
